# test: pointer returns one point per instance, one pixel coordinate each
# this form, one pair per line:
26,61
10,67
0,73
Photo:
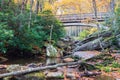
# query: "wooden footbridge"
77,18
75,23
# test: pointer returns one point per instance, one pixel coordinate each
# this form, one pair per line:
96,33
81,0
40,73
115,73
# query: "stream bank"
97,65
102,71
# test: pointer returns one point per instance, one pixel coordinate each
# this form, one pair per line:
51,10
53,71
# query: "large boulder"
68,60
51,51
85,54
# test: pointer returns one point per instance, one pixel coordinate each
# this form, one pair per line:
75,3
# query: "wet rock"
61,44
32,65
57,74
71,76
16,67
53,70
60,53
66,39
89,74
25,78
51,51
68,60
85,54
3,67
66,53
52,61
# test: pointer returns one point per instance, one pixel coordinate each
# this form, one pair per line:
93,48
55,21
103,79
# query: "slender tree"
41,5
96,18
37,7
95,11
112,6
31,4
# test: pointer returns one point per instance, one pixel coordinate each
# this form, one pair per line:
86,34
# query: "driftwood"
30,70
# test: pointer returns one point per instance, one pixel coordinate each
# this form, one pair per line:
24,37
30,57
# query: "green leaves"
5,37
15,33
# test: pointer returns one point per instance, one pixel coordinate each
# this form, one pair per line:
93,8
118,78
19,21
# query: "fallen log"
93,45
30,70
97,35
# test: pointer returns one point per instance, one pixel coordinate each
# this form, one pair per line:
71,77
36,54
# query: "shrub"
19,35
115,64
86,32
6,36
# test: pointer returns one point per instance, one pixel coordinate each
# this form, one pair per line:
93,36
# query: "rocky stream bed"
88,65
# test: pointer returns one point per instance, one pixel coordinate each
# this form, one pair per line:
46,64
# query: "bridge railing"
79,17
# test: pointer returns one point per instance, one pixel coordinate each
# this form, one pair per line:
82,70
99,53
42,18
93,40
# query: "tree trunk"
112,6
31,4
93,45
95,12
22,6
92,37
37,7
41,4
37,69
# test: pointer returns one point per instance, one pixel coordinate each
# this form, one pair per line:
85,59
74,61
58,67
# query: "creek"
46,61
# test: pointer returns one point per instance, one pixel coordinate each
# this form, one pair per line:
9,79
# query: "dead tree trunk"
92,37
93,45
37,7
112,6
31,4
37,69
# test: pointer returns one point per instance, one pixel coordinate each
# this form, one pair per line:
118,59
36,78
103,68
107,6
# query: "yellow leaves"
74,6
92,30
18,1
47,6
80,6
